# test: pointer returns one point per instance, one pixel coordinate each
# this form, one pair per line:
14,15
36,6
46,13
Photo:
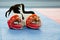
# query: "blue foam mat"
0,34
50,30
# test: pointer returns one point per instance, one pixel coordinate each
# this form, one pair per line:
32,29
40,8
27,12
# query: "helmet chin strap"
21,11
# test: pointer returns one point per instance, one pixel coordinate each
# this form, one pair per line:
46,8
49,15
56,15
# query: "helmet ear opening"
15,22
33,21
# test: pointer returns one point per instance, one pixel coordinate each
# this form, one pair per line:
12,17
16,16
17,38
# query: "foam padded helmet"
15,22
33,21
